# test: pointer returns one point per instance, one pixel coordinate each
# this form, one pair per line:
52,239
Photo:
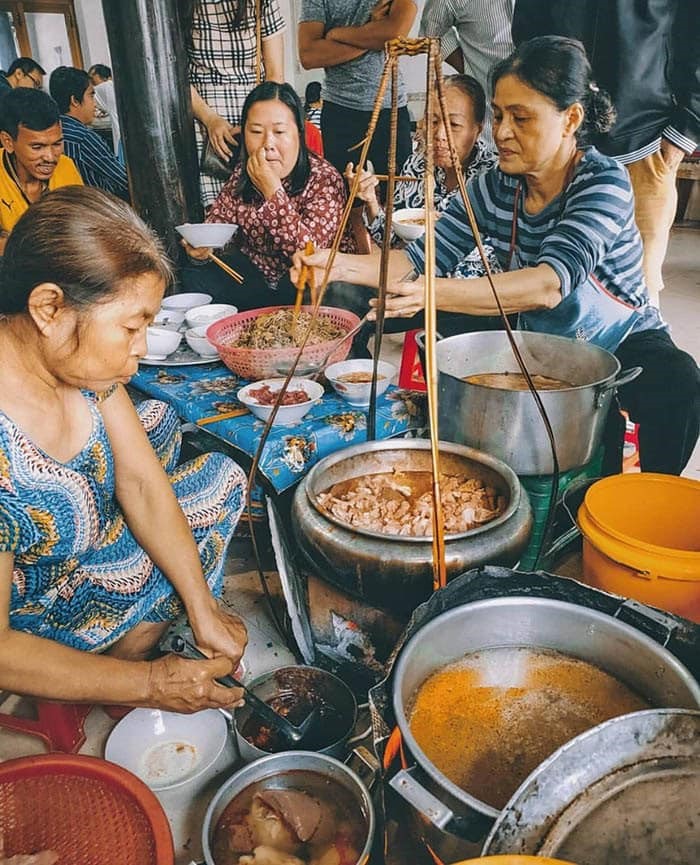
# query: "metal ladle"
292,733
313,369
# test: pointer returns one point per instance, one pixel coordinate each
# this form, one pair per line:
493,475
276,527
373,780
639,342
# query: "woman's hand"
317,260
404,299
367,189
222,135
261,174
221,633
200,253
181,685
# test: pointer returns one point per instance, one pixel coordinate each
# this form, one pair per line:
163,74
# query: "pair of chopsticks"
234,274
307,276
385,177
237,412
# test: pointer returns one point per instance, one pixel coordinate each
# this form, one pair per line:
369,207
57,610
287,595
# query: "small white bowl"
172,319
197,340
214,234
358,393
209,313
161,341
404,228
287,414
185,301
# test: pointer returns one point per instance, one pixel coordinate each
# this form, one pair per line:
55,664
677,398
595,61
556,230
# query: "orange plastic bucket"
641,538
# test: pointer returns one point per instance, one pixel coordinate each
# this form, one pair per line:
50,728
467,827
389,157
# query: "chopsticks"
237,412
384,177
234,274
307,276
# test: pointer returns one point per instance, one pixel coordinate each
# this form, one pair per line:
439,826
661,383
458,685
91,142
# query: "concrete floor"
680,304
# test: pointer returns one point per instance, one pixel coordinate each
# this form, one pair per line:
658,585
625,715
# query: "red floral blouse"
270,232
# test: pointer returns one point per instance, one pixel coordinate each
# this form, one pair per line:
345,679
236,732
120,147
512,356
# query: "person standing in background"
646,55
313,103
474,35
221,45
347,38
106,99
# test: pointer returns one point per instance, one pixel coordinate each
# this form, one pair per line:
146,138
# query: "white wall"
93,33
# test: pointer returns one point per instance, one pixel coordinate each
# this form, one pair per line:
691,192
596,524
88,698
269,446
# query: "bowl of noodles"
254,343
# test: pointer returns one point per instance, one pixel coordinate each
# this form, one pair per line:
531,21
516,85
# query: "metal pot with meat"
486,692
362,518
484,400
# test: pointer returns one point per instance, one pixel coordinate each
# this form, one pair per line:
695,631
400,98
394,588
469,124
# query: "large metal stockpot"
454,822
507,424
392,571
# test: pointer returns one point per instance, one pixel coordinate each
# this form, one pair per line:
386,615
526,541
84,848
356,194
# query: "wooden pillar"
155,112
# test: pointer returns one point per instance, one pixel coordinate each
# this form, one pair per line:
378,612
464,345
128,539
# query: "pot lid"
626,791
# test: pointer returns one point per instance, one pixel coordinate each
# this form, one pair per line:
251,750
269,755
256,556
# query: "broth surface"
516,381
487,720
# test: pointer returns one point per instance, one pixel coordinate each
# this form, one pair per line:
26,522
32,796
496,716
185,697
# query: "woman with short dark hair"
560,217
100,548
281,196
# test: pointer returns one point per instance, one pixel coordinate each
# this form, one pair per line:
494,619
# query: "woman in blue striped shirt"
560,216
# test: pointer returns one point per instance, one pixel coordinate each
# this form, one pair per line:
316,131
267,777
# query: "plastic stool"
411,372
60,725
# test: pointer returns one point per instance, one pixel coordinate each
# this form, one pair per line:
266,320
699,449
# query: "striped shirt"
480,28
97,165
587,231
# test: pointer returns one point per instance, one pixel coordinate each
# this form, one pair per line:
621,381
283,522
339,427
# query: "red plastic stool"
411,372
60,725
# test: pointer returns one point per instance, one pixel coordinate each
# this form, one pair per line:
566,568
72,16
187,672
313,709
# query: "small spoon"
310,368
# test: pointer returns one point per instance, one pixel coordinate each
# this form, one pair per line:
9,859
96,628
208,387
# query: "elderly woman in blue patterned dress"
103,541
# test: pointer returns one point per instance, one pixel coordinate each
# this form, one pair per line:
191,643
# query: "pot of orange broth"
295,804
483,403
485,692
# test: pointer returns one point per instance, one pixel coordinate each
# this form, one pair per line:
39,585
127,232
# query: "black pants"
255,292
343,128
664,400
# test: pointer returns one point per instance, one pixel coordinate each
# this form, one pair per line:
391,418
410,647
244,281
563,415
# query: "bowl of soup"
352,379
409,223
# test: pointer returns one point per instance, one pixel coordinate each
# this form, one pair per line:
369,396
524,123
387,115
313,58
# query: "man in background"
346,38
474,35
106,98
75,96
646,54
32,162
23,72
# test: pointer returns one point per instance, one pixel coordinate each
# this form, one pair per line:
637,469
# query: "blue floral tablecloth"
196,392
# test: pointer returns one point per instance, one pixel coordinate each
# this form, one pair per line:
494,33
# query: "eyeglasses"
35,82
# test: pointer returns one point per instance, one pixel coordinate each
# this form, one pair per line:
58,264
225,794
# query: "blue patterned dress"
80,577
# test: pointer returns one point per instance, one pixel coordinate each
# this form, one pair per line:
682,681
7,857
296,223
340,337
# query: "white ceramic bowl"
358,393
161,341
184,759
197,340
172,319
406,229
212,234
185,301
209,313
287,414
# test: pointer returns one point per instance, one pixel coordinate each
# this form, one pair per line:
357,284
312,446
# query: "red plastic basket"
87,810
256,363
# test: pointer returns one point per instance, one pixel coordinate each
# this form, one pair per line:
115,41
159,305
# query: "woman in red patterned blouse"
280,195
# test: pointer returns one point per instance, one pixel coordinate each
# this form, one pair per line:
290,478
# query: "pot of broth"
296,807
484,401
486,692
295,692
362,518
